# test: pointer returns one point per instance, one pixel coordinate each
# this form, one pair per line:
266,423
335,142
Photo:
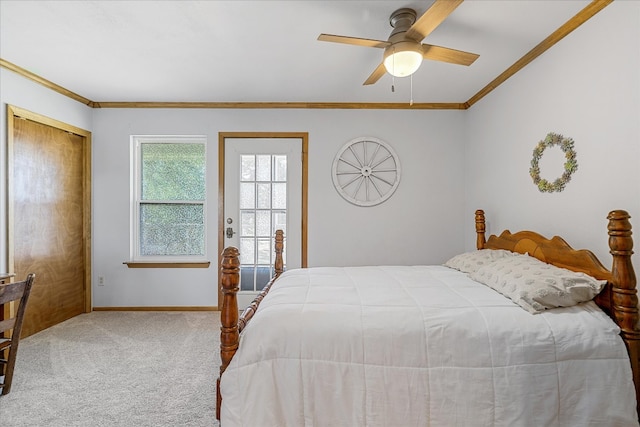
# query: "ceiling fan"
403,52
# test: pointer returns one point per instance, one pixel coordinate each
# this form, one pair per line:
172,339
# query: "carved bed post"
229,336
279,247
624,299
231,324
480,229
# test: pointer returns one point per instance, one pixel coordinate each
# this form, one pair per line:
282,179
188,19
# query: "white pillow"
537,286
470,262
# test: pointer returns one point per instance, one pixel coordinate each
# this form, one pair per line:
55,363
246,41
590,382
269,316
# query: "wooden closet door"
48,230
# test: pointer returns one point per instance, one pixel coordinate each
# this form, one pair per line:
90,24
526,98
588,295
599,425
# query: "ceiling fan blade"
444,54
375,76
433,17
353,40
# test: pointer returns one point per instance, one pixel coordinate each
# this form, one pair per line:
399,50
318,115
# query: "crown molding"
580,18
44,82
290,105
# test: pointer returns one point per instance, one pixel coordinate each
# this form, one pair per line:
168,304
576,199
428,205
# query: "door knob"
230,232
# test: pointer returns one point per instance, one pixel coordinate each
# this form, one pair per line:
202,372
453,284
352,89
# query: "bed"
437,345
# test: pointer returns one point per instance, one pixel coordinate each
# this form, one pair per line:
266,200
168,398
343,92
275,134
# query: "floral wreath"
570,166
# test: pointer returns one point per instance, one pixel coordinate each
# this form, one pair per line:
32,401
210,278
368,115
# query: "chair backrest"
19,292
16,291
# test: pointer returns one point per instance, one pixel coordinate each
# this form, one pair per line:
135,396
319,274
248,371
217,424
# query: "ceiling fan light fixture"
403,59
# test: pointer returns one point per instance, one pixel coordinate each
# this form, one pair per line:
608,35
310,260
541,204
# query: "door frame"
16,113
222,137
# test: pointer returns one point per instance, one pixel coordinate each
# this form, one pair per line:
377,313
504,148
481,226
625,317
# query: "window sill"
139,264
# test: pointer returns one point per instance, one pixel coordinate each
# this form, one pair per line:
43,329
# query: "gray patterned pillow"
537,286
470,262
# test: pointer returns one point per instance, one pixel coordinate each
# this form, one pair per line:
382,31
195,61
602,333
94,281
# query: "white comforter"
422,346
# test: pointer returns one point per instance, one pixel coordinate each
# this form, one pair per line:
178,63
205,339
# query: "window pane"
247,223
247,195
263,172
247,251
172,171
247,278
264,196
280,196
279,222
280,168
171,229
247,168
264,251
263,223
263,275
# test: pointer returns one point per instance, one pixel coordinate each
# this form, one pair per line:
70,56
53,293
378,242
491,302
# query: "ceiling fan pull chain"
411,89
393,75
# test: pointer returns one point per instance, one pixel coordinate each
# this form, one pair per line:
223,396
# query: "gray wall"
587,87
427,207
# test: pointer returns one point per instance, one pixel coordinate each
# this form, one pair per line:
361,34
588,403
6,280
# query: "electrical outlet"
100,280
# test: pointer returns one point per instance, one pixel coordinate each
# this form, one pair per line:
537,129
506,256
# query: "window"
263,210
168,198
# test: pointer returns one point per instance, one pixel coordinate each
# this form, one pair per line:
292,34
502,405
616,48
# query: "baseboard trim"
187,308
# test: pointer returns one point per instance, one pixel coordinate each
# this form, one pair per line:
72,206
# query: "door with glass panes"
262,193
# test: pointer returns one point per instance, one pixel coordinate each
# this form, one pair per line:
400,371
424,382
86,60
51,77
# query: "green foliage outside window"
173,172
172,199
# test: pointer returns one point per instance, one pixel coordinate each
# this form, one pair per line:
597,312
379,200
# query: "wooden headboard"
619,297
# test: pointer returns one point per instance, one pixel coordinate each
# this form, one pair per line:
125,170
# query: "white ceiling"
260,51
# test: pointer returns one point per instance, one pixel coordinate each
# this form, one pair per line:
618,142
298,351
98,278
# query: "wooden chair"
19,292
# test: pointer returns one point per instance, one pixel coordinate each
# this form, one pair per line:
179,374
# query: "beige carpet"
114,369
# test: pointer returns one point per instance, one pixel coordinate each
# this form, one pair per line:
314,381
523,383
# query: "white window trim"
136,189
